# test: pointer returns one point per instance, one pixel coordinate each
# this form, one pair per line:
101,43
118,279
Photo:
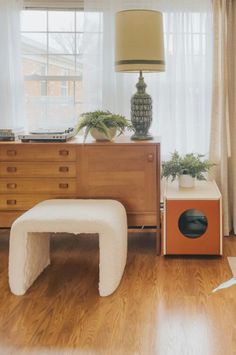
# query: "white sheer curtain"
181,95
11,80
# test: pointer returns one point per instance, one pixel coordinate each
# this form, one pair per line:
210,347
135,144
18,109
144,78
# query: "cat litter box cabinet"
192,220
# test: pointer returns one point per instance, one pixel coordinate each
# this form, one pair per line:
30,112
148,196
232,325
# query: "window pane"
50,112
94,22
33,88
61,89
34,64
92,43
52,48
34,43
33,20
61,65
78,91
79,21
196,22
61,43
79,43
61,21
79,65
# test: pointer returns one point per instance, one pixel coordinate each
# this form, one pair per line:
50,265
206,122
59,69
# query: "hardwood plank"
163,306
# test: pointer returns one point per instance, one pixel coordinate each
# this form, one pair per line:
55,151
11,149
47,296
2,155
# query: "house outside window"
52,66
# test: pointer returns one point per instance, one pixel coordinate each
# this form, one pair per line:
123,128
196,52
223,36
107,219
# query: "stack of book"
8,134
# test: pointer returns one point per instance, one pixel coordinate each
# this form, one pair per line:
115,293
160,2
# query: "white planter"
186,181
100,136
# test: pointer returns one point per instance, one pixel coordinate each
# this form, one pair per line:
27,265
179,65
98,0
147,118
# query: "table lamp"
139,48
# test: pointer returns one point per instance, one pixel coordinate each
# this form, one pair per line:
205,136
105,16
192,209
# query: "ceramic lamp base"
141,137
141,111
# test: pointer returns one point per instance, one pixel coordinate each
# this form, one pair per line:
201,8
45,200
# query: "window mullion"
36,77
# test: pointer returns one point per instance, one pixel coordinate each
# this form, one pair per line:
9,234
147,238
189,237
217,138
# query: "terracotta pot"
100,136
186,181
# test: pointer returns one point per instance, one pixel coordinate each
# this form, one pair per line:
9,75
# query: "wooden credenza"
124,170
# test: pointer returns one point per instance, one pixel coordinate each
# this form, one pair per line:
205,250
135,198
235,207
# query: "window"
52,66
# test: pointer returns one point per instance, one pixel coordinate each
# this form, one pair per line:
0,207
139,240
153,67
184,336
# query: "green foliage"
191,164
103,121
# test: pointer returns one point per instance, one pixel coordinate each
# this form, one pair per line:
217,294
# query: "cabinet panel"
37,152
143,219
39,169
207,242
8,217
125,173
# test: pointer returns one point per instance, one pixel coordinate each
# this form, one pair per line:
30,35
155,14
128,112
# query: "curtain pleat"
11,78
222,151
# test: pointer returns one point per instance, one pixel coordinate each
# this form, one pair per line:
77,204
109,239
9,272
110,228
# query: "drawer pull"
11,169
11,186
11,153
63,186
64,152
150,158
63,169
11,202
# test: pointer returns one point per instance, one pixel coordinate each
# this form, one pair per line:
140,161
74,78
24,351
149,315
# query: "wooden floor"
163,306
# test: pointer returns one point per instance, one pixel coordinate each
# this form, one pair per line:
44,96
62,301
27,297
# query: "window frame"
53,78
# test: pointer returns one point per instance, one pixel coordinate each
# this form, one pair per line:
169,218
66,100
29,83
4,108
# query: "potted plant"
187,168
103,125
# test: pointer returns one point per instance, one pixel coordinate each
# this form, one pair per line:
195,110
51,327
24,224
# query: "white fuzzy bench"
29,251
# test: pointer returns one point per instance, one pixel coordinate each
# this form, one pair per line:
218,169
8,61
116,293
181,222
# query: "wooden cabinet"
127,173
33,172
124,170
193,220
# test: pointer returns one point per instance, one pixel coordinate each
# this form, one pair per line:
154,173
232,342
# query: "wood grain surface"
122,170
163,306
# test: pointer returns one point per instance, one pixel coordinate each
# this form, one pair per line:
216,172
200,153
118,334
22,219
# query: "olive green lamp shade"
139,47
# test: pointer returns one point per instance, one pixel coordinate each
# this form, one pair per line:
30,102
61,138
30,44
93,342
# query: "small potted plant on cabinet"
103,125
186,168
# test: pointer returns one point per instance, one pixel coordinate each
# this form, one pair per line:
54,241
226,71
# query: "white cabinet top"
203,190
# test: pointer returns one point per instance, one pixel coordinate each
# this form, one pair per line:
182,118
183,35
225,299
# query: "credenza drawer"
23,202
37,152
44,185
39,169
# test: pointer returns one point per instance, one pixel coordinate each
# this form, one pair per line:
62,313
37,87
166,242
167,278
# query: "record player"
48,135
10,134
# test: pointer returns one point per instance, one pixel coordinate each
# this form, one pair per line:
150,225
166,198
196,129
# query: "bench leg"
112,260
29,255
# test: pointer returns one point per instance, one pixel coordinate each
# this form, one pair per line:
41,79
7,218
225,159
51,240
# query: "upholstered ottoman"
29,251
